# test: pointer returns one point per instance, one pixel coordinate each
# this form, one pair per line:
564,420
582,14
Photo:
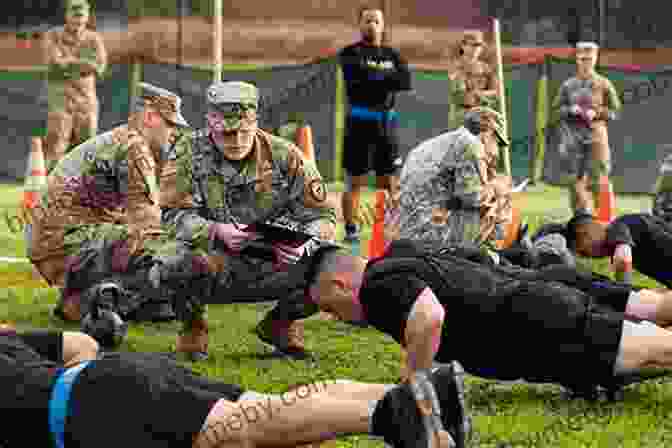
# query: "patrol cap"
477,114
76,8
587,47
237,100
168,104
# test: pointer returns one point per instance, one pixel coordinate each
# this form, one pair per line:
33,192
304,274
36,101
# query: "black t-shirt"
651,240
28,364
470,292
373,75
493,319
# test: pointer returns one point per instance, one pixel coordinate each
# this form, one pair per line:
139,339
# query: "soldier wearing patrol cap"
453,191
586,103
101,209
230,176
75,56
473,81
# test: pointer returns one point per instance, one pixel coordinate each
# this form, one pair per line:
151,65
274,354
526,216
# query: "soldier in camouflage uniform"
662,202
75,56
101,208
452,192
586,103
234,173
473,81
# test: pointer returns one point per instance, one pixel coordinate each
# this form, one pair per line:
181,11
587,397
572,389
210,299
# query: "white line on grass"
14,260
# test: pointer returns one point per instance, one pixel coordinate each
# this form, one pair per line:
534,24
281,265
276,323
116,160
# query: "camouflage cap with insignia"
77,8
168,104
478,114
237,100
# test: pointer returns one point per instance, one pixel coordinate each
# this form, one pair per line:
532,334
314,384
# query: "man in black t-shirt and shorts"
72,396
594,333
373,74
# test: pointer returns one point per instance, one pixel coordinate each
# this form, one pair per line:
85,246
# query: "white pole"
502,90
217,43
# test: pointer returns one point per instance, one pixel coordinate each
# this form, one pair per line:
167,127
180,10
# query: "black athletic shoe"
398,419
448,381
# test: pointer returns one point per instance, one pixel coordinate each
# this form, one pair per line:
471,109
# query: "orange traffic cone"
304,140
511,230
36,175
607,201
377,242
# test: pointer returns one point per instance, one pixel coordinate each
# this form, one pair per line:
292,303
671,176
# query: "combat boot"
69,308
284,335
193,343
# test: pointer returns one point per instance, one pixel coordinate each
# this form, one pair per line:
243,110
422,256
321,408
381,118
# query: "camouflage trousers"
67,129
586,159
191,276
249,277
101,252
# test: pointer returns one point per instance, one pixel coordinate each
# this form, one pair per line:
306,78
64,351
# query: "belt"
60,397
368,114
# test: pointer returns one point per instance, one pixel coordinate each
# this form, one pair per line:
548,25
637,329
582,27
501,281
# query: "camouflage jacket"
446,187
112,178
597,93
212,189
662,202
469,80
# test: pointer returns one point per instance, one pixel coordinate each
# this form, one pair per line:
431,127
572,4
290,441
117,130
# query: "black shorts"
140,399
371,145
606,293
540,332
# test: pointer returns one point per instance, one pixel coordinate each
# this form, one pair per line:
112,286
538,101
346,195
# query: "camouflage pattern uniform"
585,145
662,202
451,192
468,79
102,198
73,104
217,190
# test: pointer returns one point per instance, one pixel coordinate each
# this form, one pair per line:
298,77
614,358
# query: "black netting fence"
639,140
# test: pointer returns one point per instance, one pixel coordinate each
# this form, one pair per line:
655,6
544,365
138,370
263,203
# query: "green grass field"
519,414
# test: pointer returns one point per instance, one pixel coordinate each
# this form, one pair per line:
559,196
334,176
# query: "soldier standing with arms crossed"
75,56
474,82
586,103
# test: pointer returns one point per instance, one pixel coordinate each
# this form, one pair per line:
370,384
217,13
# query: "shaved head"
336,284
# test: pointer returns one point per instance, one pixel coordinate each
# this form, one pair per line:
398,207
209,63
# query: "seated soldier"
57,381
640,241
428,299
